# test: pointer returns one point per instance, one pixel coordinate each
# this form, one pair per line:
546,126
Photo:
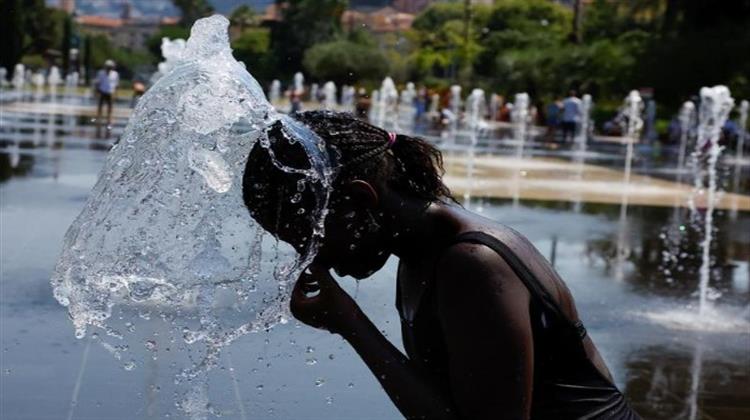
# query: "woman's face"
356,242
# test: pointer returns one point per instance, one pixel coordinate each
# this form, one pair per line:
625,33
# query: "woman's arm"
484,313
413,392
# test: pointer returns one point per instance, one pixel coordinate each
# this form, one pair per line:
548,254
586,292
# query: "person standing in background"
553,118
106,83
571,115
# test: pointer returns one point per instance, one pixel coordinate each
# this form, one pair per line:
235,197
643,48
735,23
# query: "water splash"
455,112
172,50
165,229
387,105
632,125
329,95
274,92
19,80
520,119
581,141
299,83
716,103
54,79
687,121
406,109
475,108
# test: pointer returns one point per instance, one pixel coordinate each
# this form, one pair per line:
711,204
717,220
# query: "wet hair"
280,201
409,164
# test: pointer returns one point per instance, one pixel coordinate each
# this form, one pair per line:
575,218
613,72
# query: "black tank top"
567,385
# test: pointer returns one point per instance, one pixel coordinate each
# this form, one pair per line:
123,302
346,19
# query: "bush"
345,62
252,48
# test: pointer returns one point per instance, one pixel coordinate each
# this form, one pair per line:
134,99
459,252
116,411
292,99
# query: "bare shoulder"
475,265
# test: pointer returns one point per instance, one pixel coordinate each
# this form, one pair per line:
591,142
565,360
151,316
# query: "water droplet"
329,400
331,357
150,345
129,365
311,361
259,387
320,382
309,349
351,385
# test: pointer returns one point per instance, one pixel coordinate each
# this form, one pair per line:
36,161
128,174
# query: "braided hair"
360,150
407,164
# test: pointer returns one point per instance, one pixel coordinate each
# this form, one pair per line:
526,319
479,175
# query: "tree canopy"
347,60
304,24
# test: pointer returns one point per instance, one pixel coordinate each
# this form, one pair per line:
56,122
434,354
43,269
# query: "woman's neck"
419,227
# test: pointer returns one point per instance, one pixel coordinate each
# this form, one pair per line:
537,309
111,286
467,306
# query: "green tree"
252,48
345,61
192,10
128,62
304,24
11,32
67,37
700,43
243,17
439,37
28,27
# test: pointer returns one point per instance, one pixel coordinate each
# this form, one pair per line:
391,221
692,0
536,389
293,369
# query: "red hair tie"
391,139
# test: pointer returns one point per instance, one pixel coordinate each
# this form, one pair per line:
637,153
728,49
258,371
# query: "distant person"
731,132
139,88
505,112
553,118
421,102
106,83
674,130
295,102
362,106
571,115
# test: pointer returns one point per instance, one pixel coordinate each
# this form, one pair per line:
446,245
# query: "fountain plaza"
654,246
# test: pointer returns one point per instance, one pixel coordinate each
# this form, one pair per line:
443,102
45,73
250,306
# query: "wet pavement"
632,307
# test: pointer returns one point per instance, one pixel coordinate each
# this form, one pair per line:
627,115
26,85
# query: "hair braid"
410,164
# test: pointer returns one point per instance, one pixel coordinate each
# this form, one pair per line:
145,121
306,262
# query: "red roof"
99,21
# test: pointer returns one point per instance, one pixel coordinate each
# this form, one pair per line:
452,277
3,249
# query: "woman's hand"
318,301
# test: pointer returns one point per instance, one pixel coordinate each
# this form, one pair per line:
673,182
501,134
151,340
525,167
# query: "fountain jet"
716,103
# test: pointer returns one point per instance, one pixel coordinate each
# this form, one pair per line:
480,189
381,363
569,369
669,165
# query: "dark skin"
482,306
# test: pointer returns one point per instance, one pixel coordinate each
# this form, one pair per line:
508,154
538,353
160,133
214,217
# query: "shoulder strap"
524,274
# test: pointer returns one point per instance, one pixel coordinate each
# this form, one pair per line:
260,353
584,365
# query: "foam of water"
299,83
716,103
274,93
329,93
713,319
54,78
475,109
172,50
165,226
406,110
18,76
387,111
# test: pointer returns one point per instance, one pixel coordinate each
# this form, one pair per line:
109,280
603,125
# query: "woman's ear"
364,193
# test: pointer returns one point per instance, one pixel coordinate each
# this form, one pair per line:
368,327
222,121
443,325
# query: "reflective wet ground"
638,308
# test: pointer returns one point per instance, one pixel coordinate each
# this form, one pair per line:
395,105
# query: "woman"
489,328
